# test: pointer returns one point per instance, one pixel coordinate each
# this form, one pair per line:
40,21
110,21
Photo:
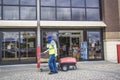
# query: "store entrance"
69,39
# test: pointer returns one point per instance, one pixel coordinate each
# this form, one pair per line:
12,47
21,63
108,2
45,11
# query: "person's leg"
50,63
54,65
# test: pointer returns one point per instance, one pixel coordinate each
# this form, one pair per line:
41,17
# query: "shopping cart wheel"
64,67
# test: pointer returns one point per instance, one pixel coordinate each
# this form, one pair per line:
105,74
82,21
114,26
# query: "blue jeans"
52,63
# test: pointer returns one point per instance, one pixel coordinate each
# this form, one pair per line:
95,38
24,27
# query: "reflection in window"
63,14
47,2
78,3
92,3
47,13
63,2
78,14
93,14
27,2
0,1
13,12
28,13
11,2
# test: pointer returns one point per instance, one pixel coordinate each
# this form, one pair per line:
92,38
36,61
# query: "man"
52,53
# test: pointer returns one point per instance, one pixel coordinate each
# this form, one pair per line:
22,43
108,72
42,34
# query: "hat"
49,38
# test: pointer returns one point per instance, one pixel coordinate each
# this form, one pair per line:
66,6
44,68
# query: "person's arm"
46,51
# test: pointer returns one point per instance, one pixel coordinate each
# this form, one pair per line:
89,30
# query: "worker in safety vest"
52,53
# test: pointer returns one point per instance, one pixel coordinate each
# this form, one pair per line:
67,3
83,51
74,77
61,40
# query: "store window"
10,45
19,46
94,45
27,44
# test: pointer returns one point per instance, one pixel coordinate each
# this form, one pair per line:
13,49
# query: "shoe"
51,72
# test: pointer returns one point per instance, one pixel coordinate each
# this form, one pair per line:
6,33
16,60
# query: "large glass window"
63,14
93,15
92,3
28,13
47,2
18,9
47,13
78,3
63,2
11,2
94,45
78,10
78,14
27,2
10,12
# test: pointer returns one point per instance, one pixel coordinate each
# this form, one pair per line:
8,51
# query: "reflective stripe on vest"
51,49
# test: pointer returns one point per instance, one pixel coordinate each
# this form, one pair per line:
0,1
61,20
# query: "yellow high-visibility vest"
51,49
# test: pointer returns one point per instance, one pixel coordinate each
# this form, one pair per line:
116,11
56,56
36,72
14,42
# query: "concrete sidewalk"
87,70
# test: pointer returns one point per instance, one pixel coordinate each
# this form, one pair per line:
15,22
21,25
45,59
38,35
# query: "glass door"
70,38
64,45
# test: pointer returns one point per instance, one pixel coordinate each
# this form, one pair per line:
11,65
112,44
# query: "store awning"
51,24
17,24
72,24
